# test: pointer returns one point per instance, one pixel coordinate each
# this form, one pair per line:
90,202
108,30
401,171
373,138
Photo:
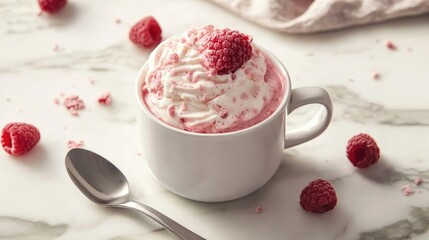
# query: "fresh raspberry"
318,196
146,33
19,138
52,6
362,151
226,50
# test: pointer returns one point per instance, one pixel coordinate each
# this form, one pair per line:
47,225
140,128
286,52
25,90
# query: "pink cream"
273,75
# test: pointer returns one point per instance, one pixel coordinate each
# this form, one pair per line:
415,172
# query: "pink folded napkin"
307,16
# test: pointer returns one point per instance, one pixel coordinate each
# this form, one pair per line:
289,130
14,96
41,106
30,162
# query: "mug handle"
317,124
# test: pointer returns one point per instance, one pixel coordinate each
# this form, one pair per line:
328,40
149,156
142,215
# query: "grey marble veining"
416,224
113,58
349,105
16,228
21,17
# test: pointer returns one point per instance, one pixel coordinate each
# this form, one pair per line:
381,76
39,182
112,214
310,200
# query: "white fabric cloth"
307,16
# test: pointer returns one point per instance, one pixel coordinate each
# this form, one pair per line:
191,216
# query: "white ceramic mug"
226,166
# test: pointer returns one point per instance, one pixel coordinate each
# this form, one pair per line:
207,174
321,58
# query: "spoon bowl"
104,184
96,177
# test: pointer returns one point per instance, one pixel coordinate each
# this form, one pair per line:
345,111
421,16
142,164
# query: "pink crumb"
56,48
73,103
259,209
418,180
376,75
40,13
105,99
407,190
56,101
75,144
174,58
390,45
74,112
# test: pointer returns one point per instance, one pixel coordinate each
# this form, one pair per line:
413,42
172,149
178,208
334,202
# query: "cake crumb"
259,209
390,45
7,99
105,99
418,181
74,113
407,190
376,75
56,48
75,144
73,103
118,20
56,101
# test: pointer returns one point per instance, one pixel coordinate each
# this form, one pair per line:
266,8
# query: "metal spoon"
105,185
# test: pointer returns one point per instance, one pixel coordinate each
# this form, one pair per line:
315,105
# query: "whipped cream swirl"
181,92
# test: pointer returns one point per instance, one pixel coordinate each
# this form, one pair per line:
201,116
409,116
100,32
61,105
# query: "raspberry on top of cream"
180,91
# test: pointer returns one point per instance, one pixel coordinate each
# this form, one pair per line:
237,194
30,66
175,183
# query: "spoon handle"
174,227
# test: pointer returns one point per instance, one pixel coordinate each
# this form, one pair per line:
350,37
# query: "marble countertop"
85,51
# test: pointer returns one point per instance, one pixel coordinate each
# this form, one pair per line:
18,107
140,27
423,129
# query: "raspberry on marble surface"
318,196
146,33
18,138
52,6
362,151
